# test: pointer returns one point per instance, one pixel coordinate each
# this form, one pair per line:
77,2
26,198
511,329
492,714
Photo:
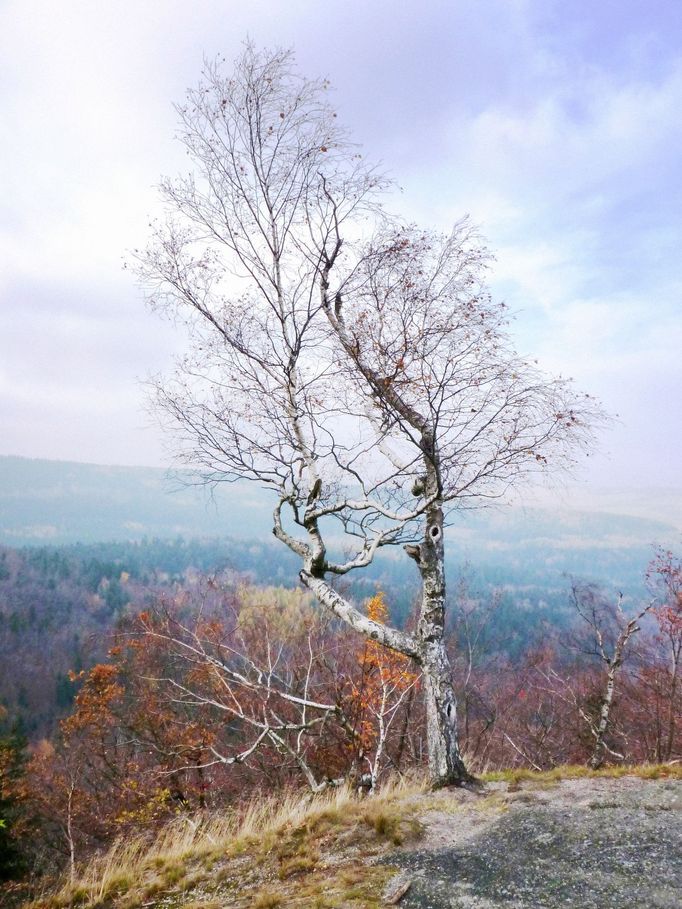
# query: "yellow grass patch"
266,852
579,771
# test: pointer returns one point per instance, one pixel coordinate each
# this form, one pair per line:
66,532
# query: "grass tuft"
237,852
298,864
267,899
516,775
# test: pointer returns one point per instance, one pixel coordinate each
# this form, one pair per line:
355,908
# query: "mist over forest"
95,561
82,547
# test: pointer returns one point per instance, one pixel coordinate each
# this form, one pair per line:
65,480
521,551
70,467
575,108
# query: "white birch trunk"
446,766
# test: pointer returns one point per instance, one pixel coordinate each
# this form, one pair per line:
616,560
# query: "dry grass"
267,899
259,854
578,771
296,850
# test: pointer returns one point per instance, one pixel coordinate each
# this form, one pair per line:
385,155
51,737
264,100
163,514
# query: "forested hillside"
58,502
105,539
118,594
181,692
68,601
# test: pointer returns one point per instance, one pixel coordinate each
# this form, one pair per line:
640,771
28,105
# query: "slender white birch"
609,633
354,366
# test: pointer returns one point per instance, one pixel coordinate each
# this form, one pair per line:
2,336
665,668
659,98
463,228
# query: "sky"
554,123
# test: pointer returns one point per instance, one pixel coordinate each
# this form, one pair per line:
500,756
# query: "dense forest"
68,601
136,673
141,680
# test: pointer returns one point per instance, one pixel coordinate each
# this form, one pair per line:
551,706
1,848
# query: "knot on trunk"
314,493
414,552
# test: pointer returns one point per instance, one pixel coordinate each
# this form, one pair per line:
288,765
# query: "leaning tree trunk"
446,766
614,663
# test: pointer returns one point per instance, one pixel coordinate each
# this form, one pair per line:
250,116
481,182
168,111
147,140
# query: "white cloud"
557,128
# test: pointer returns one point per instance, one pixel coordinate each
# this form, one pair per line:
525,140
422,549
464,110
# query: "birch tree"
608,637
352,364
665,578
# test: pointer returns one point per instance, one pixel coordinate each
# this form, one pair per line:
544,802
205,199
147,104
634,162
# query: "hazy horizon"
656,502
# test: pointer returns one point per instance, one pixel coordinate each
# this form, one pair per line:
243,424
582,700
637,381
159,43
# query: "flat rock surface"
579,844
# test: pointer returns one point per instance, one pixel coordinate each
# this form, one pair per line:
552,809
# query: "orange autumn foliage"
384,676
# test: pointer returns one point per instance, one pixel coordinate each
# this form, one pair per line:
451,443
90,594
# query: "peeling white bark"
376,631
421,356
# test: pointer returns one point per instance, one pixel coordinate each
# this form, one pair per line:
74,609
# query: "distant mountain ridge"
57,502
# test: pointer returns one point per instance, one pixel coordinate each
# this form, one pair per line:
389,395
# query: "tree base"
461,780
